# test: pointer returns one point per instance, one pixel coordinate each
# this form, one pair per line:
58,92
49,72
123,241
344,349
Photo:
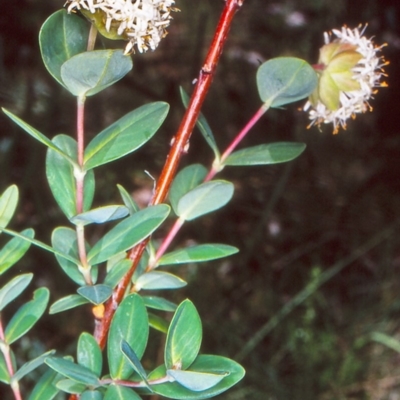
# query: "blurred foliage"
291,222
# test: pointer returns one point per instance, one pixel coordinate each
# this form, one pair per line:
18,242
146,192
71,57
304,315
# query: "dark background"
291,222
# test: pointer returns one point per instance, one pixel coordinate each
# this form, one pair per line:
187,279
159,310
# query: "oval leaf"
158,323
29,366
89,353
96,294
159,303
155,280
8,204
203,199
91,395
72,387
196,381
13,289
66,303
120,393
125,135
45,388
266,154
100,215
284,80
128,233
88,73
184,337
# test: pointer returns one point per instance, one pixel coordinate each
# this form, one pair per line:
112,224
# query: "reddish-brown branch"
180,140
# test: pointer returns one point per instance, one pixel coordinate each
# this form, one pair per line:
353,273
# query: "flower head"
349,71
142,22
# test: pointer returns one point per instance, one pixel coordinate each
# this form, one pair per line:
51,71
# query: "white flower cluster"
367,72
142,22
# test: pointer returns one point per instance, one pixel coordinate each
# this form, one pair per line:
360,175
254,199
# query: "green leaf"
155,280
184,337
45,388
200,253
96,294
73,371
128,200
158,323
117,272
62,36
100,215
66,303
206,364
203,126
88,73
120,393
61,177
14,250
130,323
8,204
125,135
159,303
27,316
266,154
4,375
91,395
30,366
284,80
186,180
128,233
386,340
69,386
134,360
196,381
38,136
89,353
13,289
203,199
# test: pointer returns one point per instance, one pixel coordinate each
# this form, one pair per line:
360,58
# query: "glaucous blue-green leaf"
203,199
125,135
186,180
156,280
45,388
203,126
38,136
117,272
67,303
159,303
61,177
265,154
120,393
184,337
158,323
31,365
200,253
89,353
96,294
4,375
73,371
134,360
196,381
27,315
284,80
100,215
88,73
128,233
72,387
8,204
13,289
130,323
65,242
204,363
128,200
14,250
91,395
62,36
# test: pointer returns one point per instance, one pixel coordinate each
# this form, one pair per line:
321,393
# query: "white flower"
349,70
142,22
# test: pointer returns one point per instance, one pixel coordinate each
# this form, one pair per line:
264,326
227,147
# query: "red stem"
181,139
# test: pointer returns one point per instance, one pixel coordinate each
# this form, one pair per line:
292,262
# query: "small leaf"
62,36
73,371
13,289
266,154
128,200
201,253
128,233
155,280
184,337
8,204
27,316
4,375
158,323
96,294
30,366
100,215
69,386
196,381
125,135
117,272
159,303
203,199
284,80
120,393
89,353
88,73
130,323
186,180
14,250
91,395
45,388
67,303
134,360
61,177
